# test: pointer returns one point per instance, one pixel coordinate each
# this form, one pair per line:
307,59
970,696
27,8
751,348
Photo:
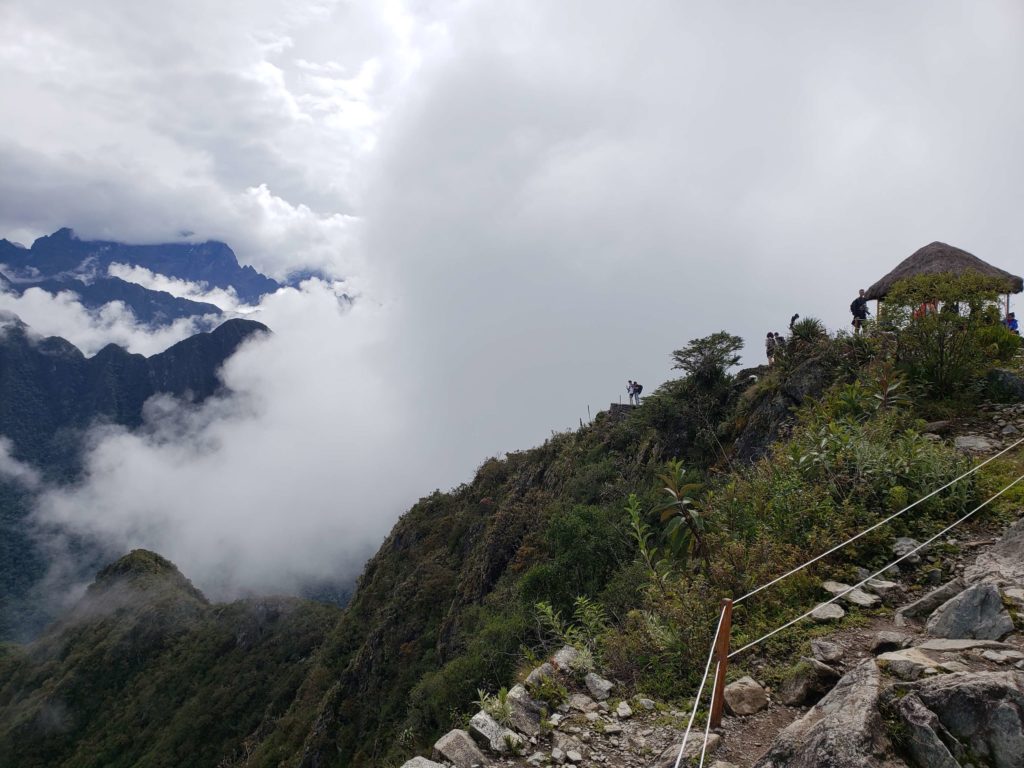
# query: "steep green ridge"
146,672
450,602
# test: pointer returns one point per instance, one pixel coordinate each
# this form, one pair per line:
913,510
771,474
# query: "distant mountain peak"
140,571
212,262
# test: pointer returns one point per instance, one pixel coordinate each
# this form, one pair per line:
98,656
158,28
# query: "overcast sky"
534,201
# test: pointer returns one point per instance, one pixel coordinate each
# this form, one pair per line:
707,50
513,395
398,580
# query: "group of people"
633,389
774,343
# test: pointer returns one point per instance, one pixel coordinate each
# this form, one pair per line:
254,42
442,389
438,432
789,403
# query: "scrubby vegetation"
622,537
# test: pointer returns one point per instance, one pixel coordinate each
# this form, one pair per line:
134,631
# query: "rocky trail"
930,674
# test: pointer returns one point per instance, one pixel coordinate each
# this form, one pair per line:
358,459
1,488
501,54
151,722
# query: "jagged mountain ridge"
48,388
212,262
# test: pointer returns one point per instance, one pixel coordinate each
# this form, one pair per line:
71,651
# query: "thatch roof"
937,258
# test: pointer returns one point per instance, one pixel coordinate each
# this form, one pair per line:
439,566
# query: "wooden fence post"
722,658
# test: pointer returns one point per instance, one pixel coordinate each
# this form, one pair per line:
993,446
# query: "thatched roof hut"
937,258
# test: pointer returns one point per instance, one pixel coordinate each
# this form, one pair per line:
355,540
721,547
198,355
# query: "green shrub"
946,328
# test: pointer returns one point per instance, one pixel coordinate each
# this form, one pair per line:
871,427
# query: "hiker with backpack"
769,347
859,310
633,389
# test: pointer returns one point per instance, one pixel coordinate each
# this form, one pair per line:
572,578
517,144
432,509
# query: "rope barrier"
707,726
696,701
876,525
861,583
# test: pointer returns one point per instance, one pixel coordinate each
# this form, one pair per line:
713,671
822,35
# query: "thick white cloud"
292,479
62,315
542,199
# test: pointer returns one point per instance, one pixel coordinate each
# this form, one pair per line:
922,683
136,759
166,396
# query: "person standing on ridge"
637,389
630,390
859,310
769,347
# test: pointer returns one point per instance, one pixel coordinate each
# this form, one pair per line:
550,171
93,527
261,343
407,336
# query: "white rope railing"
700,690
707,726
861,583
877,525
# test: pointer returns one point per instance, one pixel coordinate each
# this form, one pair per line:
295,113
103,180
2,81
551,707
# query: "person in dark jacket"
859,310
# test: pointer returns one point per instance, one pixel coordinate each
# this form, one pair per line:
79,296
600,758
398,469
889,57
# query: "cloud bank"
291,479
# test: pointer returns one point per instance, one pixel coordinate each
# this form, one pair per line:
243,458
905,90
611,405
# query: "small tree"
943,325
708,360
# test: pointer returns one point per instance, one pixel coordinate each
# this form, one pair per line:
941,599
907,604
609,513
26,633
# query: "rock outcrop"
844,730
957,719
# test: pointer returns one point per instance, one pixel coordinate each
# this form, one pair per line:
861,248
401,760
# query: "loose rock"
826,651
421,762
459,749
565,657
854,597
582,703
624,711
745,697
486,731
599,688
826,613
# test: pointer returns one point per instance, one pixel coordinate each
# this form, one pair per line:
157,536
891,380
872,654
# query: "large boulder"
843,730
1003,562
922,738
977,612
978,718
458,748
807,682
525,711
745,697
